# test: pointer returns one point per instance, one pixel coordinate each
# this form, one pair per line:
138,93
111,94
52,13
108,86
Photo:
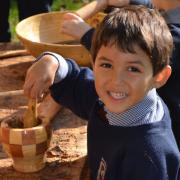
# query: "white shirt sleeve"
62,68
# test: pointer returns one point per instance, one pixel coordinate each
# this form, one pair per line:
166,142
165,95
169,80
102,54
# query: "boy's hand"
48,109
40,76
74,25
117,3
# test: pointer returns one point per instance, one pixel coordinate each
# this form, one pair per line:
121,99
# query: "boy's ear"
161,78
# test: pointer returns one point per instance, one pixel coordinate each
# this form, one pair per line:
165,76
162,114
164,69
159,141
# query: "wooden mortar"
26,146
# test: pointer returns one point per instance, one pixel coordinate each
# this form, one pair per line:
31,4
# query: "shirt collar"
147,111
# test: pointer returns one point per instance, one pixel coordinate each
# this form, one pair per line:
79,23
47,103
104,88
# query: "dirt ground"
66,157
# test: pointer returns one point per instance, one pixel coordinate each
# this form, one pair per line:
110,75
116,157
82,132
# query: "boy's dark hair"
136,25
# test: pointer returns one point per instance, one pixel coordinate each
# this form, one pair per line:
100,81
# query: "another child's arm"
118,3
74,25
166,5
86,39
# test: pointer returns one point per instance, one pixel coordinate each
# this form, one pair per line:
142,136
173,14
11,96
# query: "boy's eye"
106,65
133,69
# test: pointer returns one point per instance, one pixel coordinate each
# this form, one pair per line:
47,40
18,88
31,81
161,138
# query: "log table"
66,157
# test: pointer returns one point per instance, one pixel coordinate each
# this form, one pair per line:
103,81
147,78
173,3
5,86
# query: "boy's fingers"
34,94
30,89
28,84
27,92
27,88
35,91
38,90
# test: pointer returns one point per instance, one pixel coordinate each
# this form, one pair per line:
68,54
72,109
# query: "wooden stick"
30,116
12,93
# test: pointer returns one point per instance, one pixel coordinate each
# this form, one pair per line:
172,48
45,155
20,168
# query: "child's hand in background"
117,3
74,25
40,76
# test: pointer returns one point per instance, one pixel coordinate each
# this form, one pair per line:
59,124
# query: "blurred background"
58,5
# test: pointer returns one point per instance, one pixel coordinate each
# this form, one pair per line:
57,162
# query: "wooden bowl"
41,33
26,146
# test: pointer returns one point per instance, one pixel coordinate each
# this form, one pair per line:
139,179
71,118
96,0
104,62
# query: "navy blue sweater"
146,152
170,92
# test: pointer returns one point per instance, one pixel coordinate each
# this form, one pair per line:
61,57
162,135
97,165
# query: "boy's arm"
71,86
40,76
76,91
43,73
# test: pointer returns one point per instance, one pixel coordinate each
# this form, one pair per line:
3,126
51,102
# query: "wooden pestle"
30,116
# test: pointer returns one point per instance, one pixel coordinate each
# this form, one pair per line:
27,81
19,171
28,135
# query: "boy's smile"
122,79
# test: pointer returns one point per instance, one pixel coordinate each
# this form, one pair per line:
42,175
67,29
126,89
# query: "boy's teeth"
118,95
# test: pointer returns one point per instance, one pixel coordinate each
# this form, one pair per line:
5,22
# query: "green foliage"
57,6
13,19
66,4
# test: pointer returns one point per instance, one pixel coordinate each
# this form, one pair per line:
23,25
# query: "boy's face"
122,79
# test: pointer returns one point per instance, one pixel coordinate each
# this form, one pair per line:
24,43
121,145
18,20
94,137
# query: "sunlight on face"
122,79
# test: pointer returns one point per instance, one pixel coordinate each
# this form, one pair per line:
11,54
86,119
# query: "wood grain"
30,116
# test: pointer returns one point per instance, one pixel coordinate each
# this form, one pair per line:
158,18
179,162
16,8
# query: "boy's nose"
118,78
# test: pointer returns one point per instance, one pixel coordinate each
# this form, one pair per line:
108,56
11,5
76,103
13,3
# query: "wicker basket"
41,33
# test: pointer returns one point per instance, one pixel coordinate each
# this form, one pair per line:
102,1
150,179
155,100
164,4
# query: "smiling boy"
123,79
129,127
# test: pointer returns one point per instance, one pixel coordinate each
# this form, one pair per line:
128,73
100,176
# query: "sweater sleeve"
76,91
86,39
